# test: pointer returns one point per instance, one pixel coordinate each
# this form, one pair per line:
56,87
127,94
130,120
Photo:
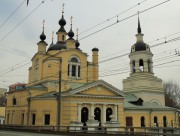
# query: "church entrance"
97,115
84,115
129,123
108,114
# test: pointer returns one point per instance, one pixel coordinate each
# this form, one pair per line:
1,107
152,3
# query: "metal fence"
140,131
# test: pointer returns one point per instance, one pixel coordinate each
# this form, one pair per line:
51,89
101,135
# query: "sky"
98,27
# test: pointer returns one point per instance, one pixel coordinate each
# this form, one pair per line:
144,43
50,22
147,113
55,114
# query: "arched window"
164,121
84,115
14,102
149,66
63,38
141,65
133,66
97,114
74,68
36,69
156,121
108,114
142,121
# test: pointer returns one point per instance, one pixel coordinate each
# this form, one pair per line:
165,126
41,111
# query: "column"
115,113
79,112
92,111
145,66
137,65
104,114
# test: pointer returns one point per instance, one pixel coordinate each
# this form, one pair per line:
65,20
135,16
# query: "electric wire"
107,20
12,14
136,14
21,21
117,21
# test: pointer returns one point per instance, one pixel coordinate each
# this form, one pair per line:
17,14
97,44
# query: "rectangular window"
73,70
68,69
22,119
79,71
8,118
47,119
33,119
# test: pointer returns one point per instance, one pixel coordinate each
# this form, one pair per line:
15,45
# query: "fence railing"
144,131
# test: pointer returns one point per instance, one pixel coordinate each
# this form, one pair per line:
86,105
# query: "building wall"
171,116
14,111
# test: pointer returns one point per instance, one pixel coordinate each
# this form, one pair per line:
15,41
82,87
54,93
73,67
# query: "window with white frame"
74,68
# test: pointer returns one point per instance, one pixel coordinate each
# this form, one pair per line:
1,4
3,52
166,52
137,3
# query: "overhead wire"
107,20
21,21
12,14
117,21
144,10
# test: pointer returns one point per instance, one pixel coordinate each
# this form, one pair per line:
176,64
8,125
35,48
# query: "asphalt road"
15,133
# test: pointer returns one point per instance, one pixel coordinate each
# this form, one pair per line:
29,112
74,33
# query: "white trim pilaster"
79,112
104,113
115,113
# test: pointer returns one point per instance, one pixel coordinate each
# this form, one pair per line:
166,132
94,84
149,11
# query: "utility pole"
59,97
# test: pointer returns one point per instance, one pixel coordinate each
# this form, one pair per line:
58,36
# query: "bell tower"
142,81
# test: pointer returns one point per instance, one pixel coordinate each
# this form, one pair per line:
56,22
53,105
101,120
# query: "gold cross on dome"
71,19
63,8
53,35
43,24
77,33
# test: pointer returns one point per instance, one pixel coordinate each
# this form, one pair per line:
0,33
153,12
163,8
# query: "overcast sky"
20,33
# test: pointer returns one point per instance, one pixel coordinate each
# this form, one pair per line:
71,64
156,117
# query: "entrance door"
108,114
129,121
84,115
97,113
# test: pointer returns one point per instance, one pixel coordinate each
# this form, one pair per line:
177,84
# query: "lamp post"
59,97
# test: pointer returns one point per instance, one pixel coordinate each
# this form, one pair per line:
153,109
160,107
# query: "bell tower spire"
139,26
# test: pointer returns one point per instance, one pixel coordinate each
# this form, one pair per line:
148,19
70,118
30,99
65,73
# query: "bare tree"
172,94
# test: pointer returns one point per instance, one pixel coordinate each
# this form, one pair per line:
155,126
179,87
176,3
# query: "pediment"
98,88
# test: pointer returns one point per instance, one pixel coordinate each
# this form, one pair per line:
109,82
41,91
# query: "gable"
99,90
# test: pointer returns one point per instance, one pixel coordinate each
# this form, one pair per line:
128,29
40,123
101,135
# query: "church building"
64,88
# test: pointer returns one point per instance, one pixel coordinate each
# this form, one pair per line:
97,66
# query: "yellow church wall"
121,114
69,112
15,111
2,111
171,118
136,115
149,117
41,107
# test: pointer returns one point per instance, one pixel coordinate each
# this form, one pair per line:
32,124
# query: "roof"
47,95
58,46
78,87
93,84
140,46
145,105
